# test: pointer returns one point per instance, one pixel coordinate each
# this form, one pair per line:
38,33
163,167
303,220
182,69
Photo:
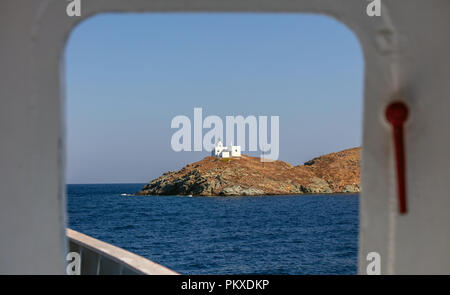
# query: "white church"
221,151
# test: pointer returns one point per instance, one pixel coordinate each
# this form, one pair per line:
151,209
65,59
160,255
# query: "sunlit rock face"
248,176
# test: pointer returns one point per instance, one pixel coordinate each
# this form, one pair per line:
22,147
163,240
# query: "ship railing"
100,258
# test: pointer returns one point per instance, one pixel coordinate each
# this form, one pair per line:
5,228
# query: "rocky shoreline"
247,176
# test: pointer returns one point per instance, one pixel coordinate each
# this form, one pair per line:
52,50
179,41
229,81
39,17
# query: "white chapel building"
222,151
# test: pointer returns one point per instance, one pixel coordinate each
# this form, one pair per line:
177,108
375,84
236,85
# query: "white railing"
100,258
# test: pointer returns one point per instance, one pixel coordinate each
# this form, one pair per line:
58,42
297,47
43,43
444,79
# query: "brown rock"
332,173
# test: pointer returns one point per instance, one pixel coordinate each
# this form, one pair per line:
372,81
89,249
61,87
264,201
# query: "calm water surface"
223,235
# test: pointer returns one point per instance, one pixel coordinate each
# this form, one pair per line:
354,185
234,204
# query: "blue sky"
128,75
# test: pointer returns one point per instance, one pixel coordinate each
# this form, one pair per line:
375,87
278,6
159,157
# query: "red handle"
397,114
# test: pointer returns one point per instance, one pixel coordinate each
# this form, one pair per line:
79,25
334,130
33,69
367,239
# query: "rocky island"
247,176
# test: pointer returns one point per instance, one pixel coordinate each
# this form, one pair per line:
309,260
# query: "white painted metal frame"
100,258
405,50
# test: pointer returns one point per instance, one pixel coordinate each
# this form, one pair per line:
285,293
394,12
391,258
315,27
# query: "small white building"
235,150
222,151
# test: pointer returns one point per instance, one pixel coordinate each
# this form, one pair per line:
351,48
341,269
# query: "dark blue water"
223,235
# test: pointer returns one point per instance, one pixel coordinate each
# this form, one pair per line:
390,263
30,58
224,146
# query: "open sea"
308,234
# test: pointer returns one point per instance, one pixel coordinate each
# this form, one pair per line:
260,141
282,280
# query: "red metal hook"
397,114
